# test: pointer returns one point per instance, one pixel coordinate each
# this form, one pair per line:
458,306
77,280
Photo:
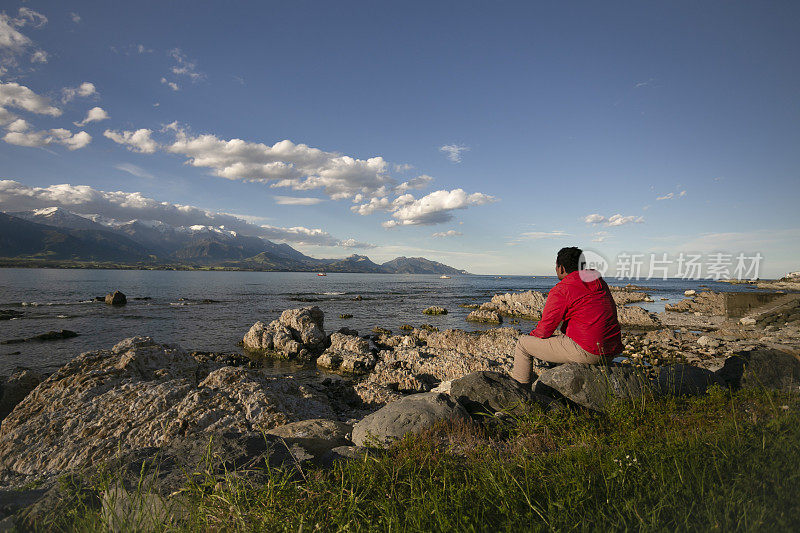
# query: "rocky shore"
146,403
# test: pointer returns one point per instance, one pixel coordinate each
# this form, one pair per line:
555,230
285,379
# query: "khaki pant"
555,349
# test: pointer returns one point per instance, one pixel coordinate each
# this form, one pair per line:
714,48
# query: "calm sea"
213,310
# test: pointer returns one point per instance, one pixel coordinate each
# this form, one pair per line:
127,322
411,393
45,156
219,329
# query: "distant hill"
57,234
418,265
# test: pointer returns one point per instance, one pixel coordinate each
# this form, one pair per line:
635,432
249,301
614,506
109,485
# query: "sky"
486,135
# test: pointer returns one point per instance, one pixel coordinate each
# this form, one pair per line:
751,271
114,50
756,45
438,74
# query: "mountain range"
56,234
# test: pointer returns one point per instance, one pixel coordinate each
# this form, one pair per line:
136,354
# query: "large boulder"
307,326
411,414
139,395
683,380
595,386
489,392
517,304
116,298
298,332
592,386
763,368
15,388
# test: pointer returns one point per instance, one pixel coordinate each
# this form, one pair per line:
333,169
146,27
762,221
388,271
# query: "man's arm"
555,309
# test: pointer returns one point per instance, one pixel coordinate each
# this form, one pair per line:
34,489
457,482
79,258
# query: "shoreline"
146,401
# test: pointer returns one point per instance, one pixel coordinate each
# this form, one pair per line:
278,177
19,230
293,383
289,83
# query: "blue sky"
510,123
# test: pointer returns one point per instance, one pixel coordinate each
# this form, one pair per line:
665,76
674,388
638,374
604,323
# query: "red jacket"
583,304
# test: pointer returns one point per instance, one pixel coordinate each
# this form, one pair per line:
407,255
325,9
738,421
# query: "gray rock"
15,388
349,343
517,304
489,392
141,395
411,414
684,380
116,298
485,316
317,436
762,368
593,386
709,342
347,354
347,362
307,325
298,332
435,310
624,296
636,317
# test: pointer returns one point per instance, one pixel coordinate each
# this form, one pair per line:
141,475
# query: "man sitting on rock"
582,304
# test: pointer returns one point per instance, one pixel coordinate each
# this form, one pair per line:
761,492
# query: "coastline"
368,387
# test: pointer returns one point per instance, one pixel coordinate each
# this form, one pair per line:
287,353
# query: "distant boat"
321,274
444,276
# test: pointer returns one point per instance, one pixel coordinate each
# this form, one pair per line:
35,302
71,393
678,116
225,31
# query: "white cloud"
6,116
420,182
39,56
537,235
383,204
171,84
672,195
448,233
29,16
294,200
16,95
613,220
19,134
402,167
18,125
352,243
453,151
95,114
15,196
435,208
184,67
13,43
75,17
137,141
83,90
619,220
600,236
284,164
135,170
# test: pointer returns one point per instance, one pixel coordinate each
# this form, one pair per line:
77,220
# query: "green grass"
718,462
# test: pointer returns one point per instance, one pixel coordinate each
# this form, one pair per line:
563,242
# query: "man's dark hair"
570,259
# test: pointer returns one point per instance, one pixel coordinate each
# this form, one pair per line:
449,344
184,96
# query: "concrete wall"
738,304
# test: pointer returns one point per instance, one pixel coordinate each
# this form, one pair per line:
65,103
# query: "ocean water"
213,310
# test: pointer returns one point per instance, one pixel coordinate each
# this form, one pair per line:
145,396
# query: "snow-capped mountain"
58,234
58,217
